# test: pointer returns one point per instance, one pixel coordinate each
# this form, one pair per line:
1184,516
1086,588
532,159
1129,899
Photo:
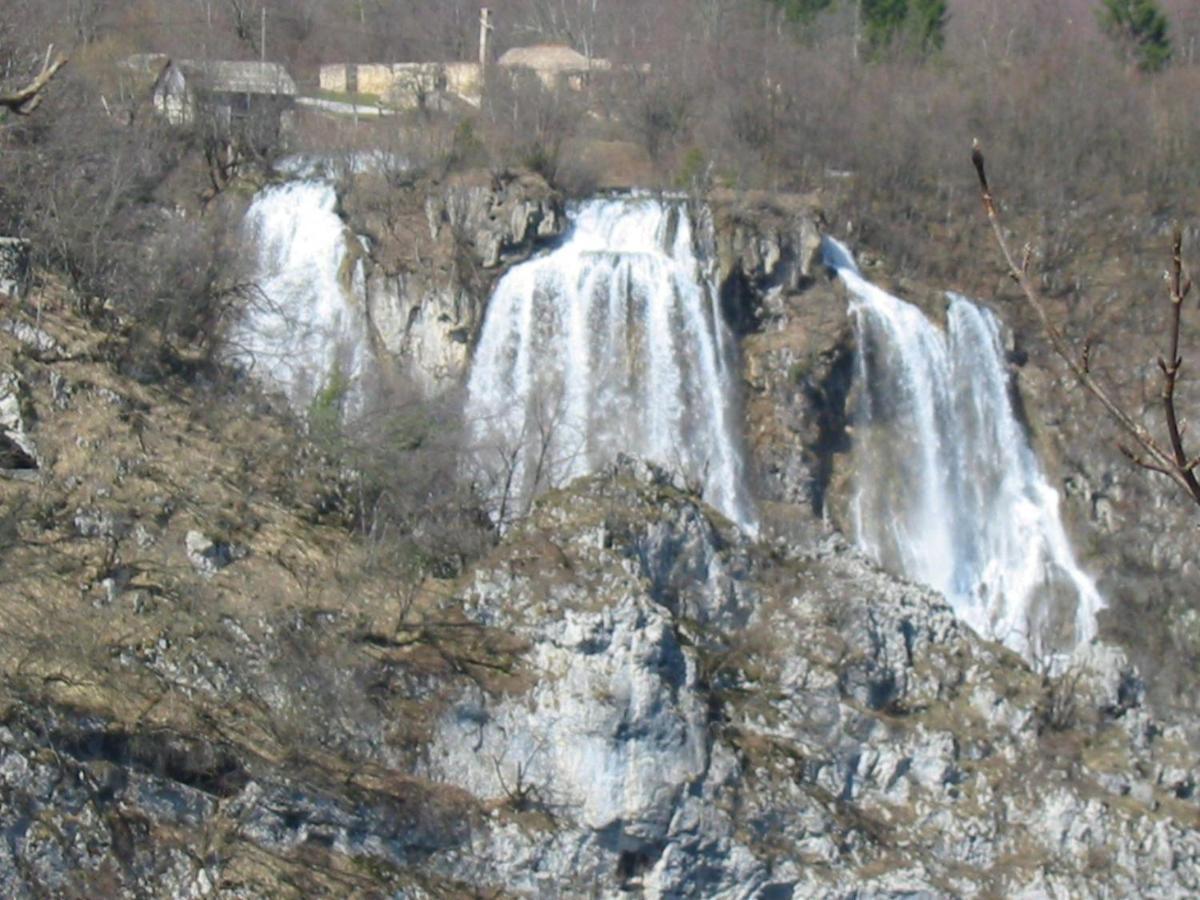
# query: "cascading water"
307,326
949,491
611,343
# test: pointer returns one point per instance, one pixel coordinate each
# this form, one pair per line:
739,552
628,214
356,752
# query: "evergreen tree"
802,11
927,25
1140,29
881,21
919,23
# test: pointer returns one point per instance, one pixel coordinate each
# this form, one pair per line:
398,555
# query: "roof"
145,63
547,58
228,77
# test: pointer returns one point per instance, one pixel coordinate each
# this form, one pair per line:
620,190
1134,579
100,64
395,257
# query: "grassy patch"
359,99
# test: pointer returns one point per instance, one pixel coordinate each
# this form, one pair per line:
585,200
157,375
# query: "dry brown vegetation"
1092,157
736,95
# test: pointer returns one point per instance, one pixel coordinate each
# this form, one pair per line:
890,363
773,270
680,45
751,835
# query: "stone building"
420,85
233,90
555,65
406,85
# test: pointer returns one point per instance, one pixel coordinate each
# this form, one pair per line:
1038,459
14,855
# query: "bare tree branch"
25,100
1171,461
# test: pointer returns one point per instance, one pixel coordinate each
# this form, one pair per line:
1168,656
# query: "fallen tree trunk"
25,100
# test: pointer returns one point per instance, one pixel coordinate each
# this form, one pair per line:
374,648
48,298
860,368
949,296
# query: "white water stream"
307,323
611,343
949,491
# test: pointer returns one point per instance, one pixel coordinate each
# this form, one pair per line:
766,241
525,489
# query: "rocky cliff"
210,687
1132,529
432,254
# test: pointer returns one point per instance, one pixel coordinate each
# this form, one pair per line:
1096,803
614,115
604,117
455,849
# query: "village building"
231,90
421,85
557,66
433,84
406,85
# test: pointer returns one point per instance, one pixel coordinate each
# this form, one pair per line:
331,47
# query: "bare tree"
1170,459
247,19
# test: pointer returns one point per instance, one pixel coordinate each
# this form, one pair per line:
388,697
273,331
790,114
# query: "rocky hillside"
209,688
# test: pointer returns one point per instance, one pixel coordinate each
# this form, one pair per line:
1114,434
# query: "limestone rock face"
766,247
796,351
710,718
14,267
433,258
17,451
625,695
209,556
501,222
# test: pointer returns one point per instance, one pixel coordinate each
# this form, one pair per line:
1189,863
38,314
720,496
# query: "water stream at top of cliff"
306,326
611,343
948,490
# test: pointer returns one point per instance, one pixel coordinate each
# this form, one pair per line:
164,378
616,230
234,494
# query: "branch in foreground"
1150,454
25,100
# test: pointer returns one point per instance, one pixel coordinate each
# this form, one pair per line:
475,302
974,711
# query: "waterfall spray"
611,343
949,492
307,327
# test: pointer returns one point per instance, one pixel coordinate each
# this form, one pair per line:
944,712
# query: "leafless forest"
715,93
735,91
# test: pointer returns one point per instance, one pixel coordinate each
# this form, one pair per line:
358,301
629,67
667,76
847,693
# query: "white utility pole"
485,29
262,40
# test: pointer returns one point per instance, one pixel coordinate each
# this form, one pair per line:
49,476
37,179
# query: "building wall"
333,78
465,81
173,99
405,85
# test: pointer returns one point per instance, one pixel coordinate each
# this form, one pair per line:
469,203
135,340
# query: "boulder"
208,556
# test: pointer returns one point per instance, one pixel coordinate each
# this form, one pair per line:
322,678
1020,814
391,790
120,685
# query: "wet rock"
427,283
502,222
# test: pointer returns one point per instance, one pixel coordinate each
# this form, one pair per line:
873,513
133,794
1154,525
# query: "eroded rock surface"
625,696
719,719
433,256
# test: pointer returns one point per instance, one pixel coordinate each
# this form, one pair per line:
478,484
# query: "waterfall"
306,326
949,492
611,343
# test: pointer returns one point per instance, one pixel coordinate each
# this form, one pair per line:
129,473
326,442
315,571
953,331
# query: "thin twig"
1173,461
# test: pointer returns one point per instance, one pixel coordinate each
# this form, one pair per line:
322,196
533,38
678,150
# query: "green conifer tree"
927,25
1140,29
802,11
882,21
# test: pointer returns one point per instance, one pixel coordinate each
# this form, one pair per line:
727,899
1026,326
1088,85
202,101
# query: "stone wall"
334,78
465,81
405,85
